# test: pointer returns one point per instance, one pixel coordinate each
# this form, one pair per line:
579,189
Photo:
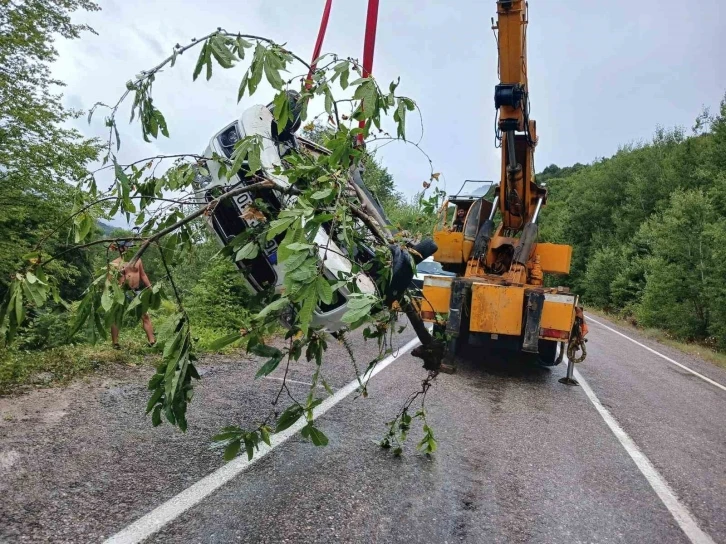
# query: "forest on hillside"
648,229
648,225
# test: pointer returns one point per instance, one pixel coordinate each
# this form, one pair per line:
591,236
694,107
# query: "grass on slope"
690,348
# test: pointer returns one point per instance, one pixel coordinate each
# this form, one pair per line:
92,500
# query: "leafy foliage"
648,226
38,153
324,212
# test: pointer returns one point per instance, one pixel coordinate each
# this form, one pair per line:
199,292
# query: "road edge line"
684,367
168,511
678,510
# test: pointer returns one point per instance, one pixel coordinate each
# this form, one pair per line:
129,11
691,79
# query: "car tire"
426,247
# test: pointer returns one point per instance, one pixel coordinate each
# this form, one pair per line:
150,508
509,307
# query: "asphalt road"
521,457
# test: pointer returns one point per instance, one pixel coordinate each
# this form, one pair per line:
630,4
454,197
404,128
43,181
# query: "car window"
429,267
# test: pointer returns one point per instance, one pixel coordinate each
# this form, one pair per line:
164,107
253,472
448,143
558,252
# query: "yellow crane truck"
489,239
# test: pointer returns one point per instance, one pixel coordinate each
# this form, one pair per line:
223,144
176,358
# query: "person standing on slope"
133,277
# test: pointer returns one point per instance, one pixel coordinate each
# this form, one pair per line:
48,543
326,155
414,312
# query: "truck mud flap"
533,316
459,301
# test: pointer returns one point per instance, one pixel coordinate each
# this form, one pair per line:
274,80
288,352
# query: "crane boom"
519,195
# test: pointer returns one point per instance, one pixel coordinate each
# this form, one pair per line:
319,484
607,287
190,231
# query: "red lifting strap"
369,46
319,42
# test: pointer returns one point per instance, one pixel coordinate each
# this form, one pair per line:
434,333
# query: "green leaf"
327,387
121,175
265,434
361,301
305,315
200,62
242,44
248,251
303,274
299,246
320,195
98,328
367,93
258,62
219,343
263,350
289,417
154,399
352,316
107,297
281,110
272,74
231,451
34,293
400,117
279,225
253,158
82,314
274,306
238,156
155,380
242,86
269,366
295,260
314,434
325,292
343,71
208,60
162,123
156,416
232,432
221,53
32,256
328,100
249,447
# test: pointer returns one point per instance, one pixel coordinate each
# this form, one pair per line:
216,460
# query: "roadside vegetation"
648,230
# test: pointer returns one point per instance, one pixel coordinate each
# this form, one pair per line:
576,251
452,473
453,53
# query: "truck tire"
547,353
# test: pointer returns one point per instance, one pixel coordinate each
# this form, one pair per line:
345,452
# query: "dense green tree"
675,294
39,155
648,228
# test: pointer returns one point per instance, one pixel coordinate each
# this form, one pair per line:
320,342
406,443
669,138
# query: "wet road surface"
521,457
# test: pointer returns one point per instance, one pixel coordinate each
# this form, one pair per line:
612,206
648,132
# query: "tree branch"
371,224
209,208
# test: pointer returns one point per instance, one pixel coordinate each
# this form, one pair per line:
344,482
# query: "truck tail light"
554,333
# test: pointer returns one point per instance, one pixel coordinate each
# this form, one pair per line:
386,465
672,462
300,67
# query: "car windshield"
429,267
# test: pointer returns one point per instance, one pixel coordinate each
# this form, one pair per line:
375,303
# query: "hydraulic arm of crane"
519,196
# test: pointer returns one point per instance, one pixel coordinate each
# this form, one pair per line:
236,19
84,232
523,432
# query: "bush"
46,329
220,300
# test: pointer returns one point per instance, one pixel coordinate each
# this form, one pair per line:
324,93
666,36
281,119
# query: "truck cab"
458,222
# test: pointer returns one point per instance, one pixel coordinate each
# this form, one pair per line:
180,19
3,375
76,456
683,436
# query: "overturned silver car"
229,218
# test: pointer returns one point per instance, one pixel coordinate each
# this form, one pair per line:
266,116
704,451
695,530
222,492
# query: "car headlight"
228,139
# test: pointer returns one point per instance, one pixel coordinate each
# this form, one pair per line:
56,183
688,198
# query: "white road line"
678,510
174,507
709,380
287,380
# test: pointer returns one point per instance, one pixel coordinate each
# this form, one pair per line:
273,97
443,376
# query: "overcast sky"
602,74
